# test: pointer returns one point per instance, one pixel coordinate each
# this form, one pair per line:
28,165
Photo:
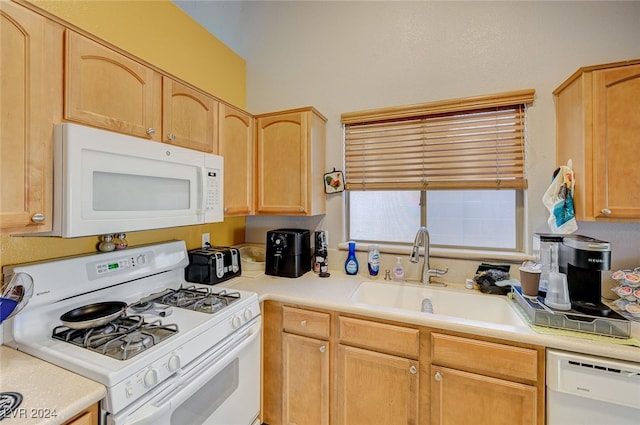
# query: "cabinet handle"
323,348
37,218
151,131
438,376
171,136
301,209
606,211
303,323
413,370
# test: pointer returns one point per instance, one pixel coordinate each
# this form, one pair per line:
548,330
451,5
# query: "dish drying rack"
539,314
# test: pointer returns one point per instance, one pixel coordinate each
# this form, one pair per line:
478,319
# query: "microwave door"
114,192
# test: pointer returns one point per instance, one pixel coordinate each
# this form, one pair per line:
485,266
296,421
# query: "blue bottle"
351,265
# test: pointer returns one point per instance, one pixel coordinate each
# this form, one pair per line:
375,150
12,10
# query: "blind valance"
475,143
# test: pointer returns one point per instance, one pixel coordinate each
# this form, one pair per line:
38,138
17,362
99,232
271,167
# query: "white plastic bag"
559,201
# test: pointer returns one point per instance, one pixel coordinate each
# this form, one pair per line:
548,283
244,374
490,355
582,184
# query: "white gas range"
170,352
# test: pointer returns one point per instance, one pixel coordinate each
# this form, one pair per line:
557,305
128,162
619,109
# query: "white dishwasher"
588,390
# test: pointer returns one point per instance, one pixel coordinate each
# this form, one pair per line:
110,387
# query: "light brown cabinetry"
597,127
486,383
372,385
31,87
88,416
290,162
459,397
109,90
189,118
387,373
236,145
305,361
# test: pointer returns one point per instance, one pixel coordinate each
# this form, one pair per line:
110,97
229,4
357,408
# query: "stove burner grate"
199,299
120,339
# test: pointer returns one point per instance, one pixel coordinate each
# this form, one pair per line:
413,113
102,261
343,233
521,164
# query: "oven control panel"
145,380
114,266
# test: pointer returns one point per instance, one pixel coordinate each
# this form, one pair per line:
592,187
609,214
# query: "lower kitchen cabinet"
484,382
305,380
326,367
89,416
375,388
459,397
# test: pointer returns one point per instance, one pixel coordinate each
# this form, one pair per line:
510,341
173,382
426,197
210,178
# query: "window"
456,166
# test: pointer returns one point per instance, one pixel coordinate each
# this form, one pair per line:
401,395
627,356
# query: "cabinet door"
466,398
616,129
88,417
108,90
305,380
282,164
375,388
31,87
189,118
236,145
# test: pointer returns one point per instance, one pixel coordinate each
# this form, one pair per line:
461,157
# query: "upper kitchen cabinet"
236,145
291,162
189,118
109,90
31,102
597,127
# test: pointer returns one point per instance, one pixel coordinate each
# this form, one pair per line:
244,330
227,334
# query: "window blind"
474,143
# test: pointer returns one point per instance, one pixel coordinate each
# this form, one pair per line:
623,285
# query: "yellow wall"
162,34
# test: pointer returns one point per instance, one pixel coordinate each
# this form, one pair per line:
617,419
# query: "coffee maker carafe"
582,259
546,249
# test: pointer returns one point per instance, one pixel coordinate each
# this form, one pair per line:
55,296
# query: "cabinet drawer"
306,322
483,356
379,336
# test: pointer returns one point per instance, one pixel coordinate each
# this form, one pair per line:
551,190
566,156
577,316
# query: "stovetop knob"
150,378
248,314
236,322
173,363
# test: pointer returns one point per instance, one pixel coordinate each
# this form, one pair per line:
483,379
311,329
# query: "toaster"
213,265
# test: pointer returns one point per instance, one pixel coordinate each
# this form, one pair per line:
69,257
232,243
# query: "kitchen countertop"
334,293
47,390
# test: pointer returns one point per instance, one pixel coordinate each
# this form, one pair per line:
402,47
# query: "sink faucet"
422,238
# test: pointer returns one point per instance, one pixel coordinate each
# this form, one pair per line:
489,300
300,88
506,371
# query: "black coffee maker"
582,259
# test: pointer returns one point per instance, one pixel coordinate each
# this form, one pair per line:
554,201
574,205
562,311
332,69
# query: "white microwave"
106,182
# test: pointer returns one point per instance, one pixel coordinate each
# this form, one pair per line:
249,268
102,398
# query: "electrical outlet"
206,242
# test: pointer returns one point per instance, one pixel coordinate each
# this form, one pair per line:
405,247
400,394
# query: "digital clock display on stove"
115,266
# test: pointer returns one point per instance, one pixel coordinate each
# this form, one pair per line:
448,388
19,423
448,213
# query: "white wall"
347,56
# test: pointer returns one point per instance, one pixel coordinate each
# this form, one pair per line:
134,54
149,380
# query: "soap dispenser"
351,265
398,270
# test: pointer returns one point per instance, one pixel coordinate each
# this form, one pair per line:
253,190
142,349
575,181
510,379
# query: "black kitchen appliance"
582,259
213,265
288,252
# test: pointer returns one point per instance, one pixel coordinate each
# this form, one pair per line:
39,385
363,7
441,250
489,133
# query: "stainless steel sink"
444,302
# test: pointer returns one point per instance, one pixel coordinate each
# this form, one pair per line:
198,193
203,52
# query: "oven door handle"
157,409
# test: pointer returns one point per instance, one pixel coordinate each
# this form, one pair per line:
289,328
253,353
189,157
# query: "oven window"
201,405
129,192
